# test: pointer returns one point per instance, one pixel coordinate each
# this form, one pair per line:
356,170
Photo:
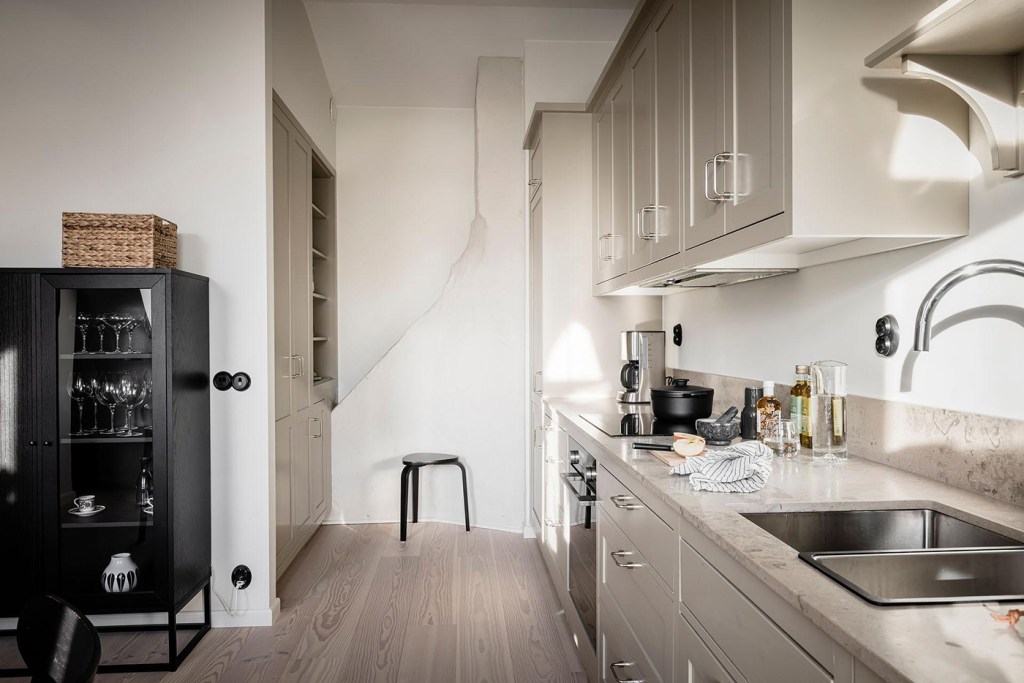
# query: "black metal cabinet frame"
177,540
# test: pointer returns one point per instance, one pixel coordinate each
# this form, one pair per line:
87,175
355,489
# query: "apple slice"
688,445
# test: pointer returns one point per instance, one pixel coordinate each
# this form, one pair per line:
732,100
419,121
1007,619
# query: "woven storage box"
118,240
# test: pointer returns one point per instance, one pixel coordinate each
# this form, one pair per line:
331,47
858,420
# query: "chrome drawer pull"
619,502
615,666
625,565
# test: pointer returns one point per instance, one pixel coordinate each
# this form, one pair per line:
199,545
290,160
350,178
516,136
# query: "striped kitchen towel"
743,468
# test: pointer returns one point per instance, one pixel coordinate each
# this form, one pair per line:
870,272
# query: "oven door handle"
582,499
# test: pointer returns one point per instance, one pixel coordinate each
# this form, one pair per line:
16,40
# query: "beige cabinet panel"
537,464
640,77
300,219
536,293
536,168
694,662
706,139
622,212
754,105
619,656
609,252
283,483
668,42
299,438
282,271
317,428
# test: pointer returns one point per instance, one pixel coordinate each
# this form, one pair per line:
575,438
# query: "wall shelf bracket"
993,87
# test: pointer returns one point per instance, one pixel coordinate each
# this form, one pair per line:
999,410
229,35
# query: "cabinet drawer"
647,609
695,663
649,533
751,641
620,657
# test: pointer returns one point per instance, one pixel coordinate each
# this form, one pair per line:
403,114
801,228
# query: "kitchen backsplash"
974,452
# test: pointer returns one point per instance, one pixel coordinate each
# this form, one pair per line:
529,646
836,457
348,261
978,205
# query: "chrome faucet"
923,327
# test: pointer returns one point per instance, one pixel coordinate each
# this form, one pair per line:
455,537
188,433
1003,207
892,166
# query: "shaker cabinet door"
20,535
668,44
643,209
283,362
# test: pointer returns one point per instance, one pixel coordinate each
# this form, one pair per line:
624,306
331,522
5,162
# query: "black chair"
413,462
57,641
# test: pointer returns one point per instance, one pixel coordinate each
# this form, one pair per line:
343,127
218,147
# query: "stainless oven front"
581,482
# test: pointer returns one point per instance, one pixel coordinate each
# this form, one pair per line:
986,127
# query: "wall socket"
243,574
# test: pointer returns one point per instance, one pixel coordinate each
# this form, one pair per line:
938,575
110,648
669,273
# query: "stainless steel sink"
900,557
926,577
848,530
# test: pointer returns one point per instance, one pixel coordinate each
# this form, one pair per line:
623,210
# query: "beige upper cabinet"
622,185
737,148
606,246
787,151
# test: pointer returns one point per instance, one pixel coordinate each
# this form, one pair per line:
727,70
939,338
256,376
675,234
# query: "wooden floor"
357,606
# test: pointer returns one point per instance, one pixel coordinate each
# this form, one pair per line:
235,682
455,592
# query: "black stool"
413,462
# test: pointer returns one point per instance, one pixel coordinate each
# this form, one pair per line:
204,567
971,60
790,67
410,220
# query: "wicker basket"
118,240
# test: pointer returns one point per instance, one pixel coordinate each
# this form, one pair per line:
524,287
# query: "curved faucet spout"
923,327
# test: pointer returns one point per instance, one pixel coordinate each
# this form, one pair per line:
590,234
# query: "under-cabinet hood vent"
719,277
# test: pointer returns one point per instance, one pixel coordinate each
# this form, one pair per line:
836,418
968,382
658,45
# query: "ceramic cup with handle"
85,503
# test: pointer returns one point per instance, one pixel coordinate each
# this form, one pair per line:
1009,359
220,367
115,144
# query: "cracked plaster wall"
454,382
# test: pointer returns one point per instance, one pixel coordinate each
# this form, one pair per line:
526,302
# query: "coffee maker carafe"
644,356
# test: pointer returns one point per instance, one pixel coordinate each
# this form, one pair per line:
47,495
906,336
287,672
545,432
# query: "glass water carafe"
828,410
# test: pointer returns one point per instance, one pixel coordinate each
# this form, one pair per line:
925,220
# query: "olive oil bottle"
800,404
768,408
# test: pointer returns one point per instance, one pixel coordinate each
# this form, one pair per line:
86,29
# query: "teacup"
85,503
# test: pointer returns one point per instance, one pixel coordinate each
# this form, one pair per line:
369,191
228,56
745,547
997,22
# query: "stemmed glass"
104,390
131,393
82,322
130,325
103,321
79,389
121,323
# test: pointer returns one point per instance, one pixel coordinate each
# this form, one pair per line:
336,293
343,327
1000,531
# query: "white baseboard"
528,532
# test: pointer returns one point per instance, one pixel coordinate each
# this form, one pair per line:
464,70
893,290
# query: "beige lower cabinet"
694,661
303,475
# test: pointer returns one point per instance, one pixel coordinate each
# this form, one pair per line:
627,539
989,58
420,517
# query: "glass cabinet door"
106,484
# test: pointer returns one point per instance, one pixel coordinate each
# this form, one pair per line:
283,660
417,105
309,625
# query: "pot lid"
681,388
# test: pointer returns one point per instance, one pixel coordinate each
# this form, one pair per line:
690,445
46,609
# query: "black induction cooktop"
641,423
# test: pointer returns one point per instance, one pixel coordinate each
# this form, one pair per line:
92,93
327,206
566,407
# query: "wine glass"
121,323
104,392
77,383
130,392
130,325
105,320
82,322
89,389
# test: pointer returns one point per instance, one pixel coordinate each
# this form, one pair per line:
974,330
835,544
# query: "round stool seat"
429,458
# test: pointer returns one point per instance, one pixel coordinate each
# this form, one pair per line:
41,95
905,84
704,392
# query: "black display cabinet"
104,392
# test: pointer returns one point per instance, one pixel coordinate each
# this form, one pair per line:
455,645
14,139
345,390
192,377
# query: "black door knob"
47,443
33,443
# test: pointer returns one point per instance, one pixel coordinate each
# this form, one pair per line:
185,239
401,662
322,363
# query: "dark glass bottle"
748,418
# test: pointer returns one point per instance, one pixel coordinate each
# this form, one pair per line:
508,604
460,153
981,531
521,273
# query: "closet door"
300,222
669,41
641,79
282,272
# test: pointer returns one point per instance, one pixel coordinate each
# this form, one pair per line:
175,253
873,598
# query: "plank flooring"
358,606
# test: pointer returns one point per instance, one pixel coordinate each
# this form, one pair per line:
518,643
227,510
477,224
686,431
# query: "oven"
581,481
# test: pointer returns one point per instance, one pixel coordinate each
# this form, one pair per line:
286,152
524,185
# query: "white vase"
121,575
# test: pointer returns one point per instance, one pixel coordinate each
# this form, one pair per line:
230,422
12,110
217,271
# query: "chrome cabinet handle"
707,188
614,668
600,247
538,385
293,375
320,430
641,232
620,502
721,157
625,565
534,182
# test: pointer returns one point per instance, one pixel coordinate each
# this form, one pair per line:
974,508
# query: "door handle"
724,157
320,429
625,565
642,222
615,666
620,502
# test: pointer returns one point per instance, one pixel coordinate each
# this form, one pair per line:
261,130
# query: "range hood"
712,277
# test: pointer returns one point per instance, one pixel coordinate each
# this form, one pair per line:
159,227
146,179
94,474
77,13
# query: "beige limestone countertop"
920,643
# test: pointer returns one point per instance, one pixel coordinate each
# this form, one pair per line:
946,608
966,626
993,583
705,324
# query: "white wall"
154,107
298,74
455,381
561,70
405,202
424,55
760,330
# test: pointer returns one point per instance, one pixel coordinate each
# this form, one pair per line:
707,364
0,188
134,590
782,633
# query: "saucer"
88,513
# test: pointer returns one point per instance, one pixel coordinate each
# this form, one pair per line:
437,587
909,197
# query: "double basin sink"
903,557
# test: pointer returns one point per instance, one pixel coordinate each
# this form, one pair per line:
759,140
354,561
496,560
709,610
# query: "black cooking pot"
680,402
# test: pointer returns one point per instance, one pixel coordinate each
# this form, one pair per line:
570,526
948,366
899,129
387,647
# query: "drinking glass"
130,324
130,392
828,410
104,321
104,390
121,323
783,437
82,322
77,383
